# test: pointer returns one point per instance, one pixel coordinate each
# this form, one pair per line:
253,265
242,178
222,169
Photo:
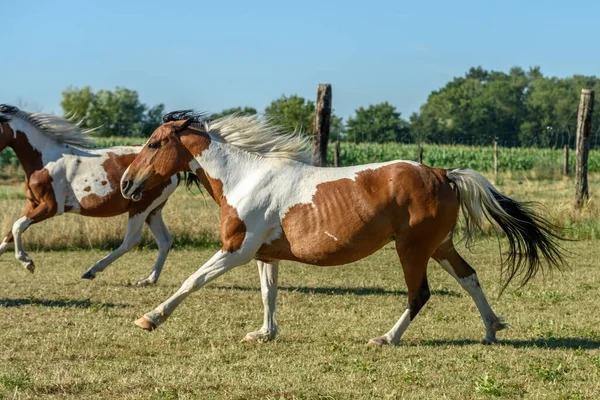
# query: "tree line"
518,108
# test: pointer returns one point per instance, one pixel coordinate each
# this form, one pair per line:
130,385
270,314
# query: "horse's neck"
222,168
32,148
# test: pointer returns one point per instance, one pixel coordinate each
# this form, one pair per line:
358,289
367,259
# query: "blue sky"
219,54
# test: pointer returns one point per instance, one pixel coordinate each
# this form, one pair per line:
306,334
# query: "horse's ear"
181,125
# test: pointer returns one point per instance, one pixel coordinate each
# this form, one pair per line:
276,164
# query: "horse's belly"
334,238
111,205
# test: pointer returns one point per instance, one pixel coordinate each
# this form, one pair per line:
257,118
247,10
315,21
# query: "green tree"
552,106
293,112
75,102
152,119
518,108
378,123
113,113
337,130
235,110
296,113
479,107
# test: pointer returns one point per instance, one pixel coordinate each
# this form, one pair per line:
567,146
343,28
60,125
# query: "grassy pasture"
63,337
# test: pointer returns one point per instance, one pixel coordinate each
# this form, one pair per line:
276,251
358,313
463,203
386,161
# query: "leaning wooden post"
321,125
495,157
566,160
584,126
336,155
420,154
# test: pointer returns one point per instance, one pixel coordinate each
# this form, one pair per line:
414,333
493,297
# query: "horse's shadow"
86,303
363,291
566,343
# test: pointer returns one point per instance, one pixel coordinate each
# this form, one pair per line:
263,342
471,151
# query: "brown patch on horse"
28,156
233,229
195,141
104,183
114,203
87,189
40,191
6,134
447,252
9,238
351,219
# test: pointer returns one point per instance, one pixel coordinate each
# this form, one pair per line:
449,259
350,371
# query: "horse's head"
6,133
163,156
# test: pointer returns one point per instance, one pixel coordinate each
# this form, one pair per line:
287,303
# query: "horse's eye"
154,145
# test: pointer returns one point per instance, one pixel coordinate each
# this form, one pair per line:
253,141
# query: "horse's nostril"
125,185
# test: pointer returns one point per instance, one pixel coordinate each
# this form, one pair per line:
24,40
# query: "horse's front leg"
164,241
133,236
220,263
5,245
41,212
268,286
9,238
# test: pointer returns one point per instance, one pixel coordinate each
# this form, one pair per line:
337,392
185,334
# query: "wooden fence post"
495,157
566,160
336,155
420,154
322,124
584,126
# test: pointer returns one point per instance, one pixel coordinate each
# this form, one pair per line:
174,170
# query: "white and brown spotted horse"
62,175
276,206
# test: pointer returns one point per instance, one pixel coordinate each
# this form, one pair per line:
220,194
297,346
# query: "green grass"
62,337
65,337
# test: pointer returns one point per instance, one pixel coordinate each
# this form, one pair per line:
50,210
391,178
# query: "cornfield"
480,158
446,156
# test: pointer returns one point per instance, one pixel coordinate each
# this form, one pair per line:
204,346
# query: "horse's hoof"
380,341
144,283
146,324
30,266
88,275
258,337
488,342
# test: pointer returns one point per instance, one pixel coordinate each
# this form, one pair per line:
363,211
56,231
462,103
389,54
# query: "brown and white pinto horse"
276,206
62,175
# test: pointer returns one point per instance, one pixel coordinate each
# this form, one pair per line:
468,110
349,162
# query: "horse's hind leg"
414,265
447,256
133,236
164,241
268,287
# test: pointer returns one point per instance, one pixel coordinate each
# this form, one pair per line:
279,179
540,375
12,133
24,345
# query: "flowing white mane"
53,127
261,136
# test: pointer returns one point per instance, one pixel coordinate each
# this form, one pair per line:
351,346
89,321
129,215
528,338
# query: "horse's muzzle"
126,188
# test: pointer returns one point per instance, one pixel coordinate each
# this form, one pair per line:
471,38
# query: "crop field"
545,163
64,337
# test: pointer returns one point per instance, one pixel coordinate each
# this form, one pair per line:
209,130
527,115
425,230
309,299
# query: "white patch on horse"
287,182
84,172
331,236
471,285
448,268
